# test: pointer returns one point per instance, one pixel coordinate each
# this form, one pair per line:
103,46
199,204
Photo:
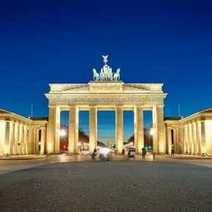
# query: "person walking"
93,155
143,153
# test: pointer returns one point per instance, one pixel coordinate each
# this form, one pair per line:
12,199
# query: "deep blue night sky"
61,41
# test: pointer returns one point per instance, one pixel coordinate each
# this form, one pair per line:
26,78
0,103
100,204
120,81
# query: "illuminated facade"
104,96
20,135
190,135
106,92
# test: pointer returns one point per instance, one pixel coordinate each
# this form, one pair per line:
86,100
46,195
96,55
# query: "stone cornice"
105,87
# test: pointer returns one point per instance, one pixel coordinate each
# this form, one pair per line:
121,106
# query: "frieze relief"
84,99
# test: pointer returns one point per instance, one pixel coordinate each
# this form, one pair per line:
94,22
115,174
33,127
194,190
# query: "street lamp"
63,133
152,131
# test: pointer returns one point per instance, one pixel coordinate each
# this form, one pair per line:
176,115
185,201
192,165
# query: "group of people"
131,153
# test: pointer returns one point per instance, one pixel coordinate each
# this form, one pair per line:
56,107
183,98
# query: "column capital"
202,121
52,106
139,107
55,107
92,106
10,121
73,106
158,106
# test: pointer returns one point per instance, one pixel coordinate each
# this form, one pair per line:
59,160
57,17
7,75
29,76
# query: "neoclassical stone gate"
106,92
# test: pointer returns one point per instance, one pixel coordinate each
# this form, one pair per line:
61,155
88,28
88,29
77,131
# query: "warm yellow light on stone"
208,136
2,136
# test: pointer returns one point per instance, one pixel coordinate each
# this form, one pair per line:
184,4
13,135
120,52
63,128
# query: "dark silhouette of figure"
123,151
143,153
154,155
94,154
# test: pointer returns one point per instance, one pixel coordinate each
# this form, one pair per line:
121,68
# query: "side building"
190,135
20,135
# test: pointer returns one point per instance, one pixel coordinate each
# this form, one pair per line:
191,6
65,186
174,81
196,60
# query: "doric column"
57,136
11,137
18,142
19,138
169,136
73,130
159,145
35,143
42,142
34,140
92,128
185,144
138,129
119,129
188,138
198,135
25,140
53,134
179,138
15,138
30,143
192,138
8,137
22,139
195,141
30,140
203,137
2,137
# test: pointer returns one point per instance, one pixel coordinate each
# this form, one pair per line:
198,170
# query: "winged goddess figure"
105,59
106,72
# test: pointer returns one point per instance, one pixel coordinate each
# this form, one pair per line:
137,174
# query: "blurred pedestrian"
123,151
93,155
143,153
154,155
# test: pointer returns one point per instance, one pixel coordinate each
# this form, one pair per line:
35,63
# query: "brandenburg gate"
106,92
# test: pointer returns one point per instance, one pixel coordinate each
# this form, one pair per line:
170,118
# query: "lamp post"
152,131
63,133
